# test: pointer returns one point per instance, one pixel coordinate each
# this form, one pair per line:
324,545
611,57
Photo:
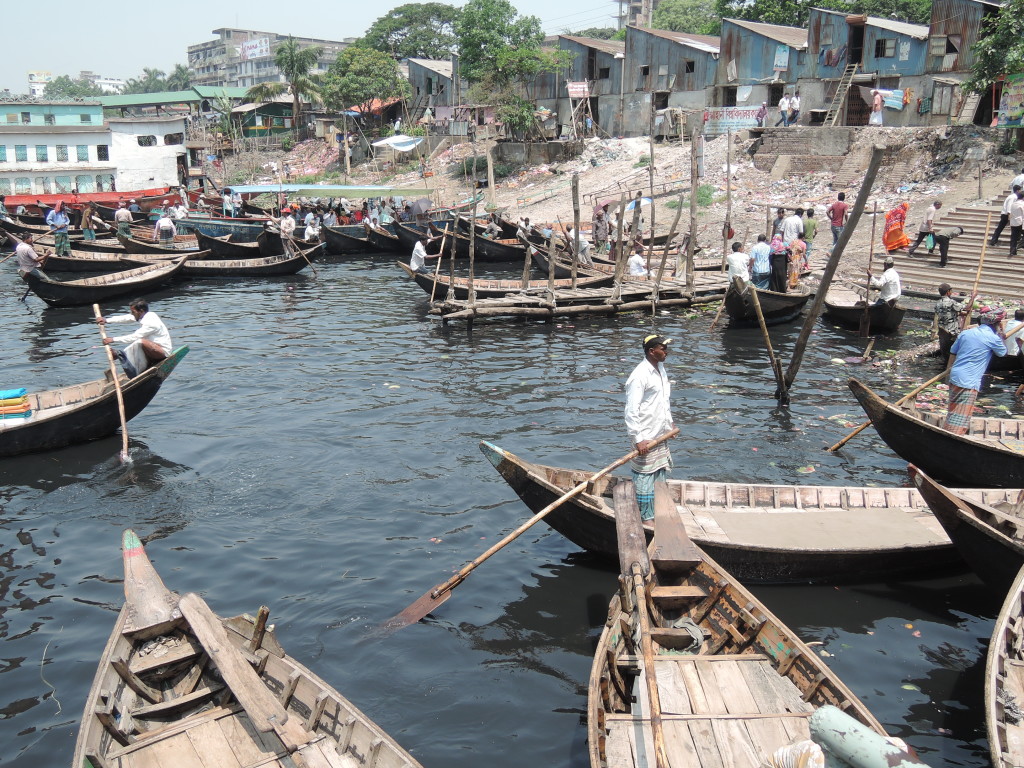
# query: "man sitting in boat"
637,263
29,262
888,283
148,345
649,416
969,359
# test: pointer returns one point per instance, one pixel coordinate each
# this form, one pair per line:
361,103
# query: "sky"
121,39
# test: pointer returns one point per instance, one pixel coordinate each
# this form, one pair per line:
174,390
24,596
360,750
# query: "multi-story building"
54,147
106,84
37,82
245,57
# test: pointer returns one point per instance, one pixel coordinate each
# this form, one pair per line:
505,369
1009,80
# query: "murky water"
317,452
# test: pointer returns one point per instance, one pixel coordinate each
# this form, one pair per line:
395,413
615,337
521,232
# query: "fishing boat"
339,241
246,230
288,263
1004,685
146,198
989,536
775,307
487,289
988,456
484,249
762,533
82,412
178,684
79,261
692,669
383,240
137,246
845,304
226,247
21,229
107,214
96,290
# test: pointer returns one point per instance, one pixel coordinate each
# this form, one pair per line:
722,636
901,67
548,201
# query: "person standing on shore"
600,229
810,230
1016,221
783,111
969,359
926,227
648,416
837,213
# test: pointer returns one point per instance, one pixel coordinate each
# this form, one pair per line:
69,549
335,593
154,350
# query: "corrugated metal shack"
758,62
889,55
431,83
599,63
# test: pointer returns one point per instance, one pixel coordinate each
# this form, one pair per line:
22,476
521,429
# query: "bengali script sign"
1011,103
718,120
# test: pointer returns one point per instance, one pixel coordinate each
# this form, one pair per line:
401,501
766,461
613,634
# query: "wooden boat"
79,261
410,234
988,456
989,536
485,249
1003,682
178,684
155,194
225,247
98,289
82,412
107,214
246,230
17,227
339,241
776,307
693,670
137,246
1005,364
845,305
287,263
492,288
764,533
383,240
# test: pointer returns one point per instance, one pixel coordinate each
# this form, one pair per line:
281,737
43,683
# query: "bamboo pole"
865,320
694,181
781,392
647,652
437,269
575,225
491,205
472,235
728,199
833,264
977,275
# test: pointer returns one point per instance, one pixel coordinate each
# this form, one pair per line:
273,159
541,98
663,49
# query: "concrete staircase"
1002,277
801,150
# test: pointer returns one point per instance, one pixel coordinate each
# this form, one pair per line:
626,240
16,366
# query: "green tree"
151,81
414,30
598,33
1000,49
494,40
358,76
295,63
693,16
63,87
179,79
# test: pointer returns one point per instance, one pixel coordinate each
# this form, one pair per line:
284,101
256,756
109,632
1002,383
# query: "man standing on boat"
649,416
58,222
888,283
968,360
123,219
164,229
947,318
418,262
148,345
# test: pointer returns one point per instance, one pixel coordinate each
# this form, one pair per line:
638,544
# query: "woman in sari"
895,237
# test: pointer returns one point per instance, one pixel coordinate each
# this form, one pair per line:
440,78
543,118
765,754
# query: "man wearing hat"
888,283
968,359
649,416
947,318
133,206
123,219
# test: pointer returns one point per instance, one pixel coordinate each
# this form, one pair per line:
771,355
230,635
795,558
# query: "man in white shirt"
1016,222
637,263
739,263
164,229
148,345
783,110
794,108
1018,181
926,227
648,416
1013,342
418,262
583,259
792,226
1004,216
287,223
888,284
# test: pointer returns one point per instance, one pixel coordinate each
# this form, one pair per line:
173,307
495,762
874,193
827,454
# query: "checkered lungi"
61,244
648,469
961,406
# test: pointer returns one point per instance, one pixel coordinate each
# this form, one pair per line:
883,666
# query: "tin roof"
707,43
607,46
917,31
791,36
441,66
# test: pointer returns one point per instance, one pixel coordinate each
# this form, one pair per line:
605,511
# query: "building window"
937,45
104,182
103,152
12,117
43,185
147,141
3,153
604,73
23,186
729,96
661,100
41,154
885,48
5,186
645,70
26,118
21,153
826,34
84,183
50,120
688,66
85,118
83,153
171,139
63,184
62,153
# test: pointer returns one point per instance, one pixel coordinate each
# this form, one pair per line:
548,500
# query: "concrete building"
37,82
53,147
106,84
245,57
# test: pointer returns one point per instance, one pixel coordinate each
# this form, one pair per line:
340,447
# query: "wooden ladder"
836,107
968,108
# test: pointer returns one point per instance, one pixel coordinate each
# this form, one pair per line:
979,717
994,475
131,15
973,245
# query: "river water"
316,452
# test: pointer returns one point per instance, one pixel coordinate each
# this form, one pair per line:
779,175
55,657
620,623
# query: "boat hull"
77,293
775,307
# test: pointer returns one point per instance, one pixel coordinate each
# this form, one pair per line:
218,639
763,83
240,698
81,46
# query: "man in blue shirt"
761,272
58,222
968,361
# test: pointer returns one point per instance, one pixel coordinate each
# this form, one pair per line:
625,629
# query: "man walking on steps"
649,416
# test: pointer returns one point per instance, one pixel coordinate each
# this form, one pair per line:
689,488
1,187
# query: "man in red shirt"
837,213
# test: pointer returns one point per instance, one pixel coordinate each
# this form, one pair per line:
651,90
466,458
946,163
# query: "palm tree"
295,64
179,79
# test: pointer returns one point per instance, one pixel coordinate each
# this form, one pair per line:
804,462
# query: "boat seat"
186,650
676,596
162,708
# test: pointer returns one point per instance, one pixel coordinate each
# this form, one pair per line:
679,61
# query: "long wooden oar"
439,594
117,388
865,319
901,401
437,269
977,275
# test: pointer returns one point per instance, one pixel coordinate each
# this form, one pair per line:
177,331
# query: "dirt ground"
932,166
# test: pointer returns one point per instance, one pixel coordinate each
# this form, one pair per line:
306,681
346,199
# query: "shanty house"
432,85
758,62
598,64
889,55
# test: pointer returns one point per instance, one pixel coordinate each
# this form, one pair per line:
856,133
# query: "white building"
106,84
148,151
37,82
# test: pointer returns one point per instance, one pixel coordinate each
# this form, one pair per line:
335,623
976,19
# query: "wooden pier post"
694,182
575,225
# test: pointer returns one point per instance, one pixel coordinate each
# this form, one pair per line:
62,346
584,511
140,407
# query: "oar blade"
417,610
